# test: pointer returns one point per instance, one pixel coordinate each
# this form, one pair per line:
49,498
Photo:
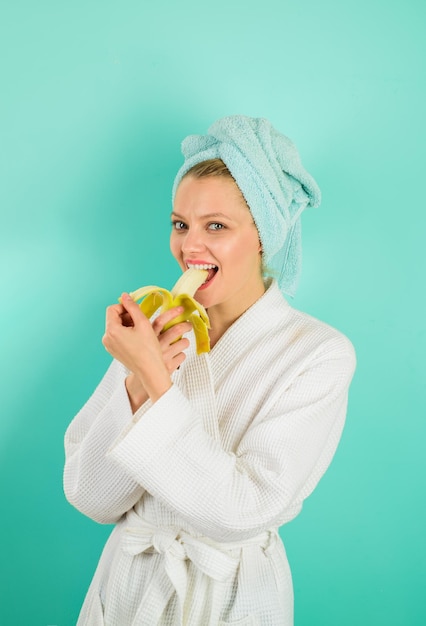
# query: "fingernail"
125,296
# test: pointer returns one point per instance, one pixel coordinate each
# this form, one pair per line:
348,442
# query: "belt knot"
214,559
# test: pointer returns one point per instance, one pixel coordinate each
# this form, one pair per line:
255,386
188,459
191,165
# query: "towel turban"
267,169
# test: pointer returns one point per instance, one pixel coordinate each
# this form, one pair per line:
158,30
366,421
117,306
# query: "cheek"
174,246
247,250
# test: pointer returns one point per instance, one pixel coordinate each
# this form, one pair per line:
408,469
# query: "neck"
222,316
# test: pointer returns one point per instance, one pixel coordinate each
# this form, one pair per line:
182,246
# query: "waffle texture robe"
199,482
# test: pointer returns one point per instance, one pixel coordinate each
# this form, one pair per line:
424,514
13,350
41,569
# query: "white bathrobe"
199,482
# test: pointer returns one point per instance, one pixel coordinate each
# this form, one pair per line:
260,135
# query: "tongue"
210,275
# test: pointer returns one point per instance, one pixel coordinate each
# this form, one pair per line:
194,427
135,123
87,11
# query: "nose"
193,241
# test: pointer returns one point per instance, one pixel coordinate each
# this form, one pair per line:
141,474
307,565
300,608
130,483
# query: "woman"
198,459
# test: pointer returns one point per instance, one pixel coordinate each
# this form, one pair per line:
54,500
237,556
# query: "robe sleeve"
92,481
278,462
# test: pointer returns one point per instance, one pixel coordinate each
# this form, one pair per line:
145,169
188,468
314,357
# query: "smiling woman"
231,246
199,458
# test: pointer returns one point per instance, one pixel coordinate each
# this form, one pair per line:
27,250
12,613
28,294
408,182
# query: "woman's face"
212,226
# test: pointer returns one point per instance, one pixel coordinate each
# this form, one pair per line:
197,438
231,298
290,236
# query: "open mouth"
211,269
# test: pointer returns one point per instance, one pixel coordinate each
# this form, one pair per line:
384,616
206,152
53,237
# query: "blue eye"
178,225
216,226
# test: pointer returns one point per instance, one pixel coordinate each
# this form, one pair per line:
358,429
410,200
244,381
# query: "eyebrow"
205,216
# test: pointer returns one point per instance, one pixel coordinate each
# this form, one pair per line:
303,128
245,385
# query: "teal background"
95,98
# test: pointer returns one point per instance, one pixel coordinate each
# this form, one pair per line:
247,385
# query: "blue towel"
267,168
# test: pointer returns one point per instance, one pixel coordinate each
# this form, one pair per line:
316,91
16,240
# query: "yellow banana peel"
151,298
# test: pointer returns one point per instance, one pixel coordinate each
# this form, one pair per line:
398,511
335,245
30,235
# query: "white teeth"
205,266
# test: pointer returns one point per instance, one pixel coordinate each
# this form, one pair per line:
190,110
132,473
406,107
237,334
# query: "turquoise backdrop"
95,98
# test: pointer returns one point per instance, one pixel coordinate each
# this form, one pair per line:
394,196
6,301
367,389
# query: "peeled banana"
182,294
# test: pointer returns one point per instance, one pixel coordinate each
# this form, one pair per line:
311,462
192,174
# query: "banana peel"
152,298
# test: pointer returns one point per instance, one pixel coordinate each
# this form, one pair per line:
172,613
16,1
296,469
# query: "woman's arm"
92,481
278,463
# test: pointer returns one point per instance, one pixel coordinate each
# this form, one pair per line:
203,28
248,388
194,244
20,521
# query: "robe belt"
177,546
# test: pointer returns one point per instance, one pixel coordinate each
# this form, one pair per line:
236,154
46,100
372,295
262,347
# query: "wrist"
136,393
156,381
157,384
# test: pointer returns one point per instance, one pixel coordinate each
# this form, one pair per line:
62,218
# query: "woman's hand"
148,352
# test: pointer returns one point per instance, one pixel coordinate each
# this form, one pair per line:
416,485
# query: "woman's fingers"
174,354
132,309
126,319
117,314
113,314
173,344
164,318
174,332
128,314
130,338
176,362
128,335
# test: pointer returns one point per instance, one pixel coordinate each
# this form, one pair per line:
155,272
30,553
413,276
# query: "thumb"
131,307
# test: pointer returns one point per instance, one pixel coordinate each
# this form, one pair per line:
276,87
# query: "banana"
182,294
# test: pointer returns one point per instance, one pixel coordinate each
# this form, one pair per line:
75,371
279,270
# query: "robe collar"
254,324
200,374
